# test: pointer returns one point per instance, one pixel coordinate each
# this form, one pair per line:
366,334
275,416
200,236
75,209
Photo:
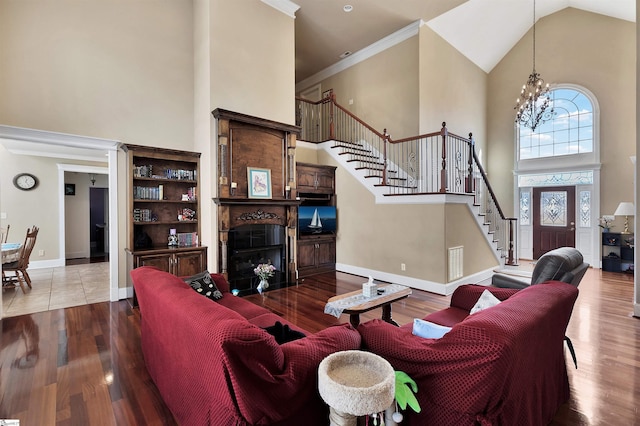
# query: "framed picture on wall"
69,189
259,182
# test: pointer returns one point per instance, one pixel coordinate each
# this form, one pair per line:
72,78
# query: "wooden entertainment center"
316,187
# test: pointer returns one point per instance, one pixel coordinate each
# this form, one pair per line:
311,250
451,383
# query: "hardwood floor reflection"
83,365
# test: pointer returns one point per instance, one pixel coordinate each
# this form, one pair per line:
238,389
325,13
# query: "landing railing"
433,163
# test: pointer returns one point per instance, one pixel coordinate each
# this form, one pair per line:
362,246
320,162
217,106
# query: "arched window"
568,132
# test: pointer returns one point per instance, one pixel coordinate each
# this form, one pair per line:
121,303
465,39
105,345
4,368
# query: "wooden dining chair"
4,234
19,267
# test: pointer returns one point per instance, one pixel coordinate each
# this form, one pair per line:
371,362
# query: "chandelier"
533,104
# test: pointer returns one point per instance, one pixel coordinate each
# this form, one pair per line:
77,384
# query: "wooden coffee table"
383,301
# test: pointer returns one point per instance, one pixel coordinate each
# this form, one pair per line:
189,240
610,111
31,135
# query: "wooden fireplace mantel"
244,142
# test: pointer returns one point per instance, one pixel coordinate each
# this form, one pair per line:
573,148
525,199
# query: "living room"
90,98
150,73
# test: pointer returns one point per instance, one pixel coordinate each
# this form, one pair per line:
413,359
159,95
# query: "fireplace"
252,228
250,245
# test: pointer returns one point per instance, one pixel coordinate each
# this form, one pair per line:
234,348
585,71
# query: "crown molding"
55,138
363,54
23,141
287,7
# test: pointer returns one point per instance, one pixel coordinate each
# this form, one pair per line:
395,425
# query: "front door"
554,223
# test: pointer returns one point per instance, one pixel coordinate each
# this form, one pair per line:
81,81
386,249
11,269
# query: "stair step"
353,148
396,186
379,168
360,155
380,175
354,145
375,163
390,178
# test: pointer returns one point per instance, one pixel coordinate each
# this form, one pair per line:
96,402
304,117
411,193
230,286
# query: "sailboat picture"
316,223
317,219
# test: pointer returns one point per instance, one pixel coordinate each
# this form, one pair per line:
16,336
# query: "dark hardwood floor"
83,365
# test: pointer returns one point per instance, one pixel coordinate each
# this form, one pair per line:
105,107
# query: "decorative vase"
264,284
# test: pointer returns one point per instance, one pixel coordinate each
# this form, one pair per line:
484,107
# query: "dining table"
10,252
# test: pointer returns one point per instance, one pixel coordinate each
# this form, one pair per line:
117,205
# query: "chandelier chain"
534,36
534,105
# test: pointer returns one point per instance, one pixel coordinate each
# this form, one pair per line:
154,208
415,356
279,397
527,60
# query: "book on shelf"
148,192
142,215
146,171
187,239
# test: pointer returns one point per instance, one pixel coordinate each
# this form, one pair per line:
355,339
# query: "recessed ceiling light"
345,54
347,8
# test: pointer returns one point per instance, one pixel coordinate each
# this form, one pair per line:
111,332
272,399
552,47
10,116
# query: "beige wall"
252,60
452,89
306,155
383,89
27,208
116,70
577,47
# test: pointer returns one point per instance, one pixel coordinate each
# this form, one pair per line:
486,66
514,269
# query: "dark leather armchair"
562,264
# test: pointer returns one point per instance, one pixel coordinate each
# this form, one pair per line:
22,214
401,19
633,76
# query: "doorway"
98,223
554,222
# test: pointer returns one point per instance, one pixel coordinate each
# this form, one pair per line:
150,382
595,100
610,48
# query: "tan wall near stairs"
461,229
383,236
383,89
452,89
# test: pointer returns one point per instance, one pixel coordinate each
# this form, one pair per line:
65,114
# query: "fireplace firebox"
251,245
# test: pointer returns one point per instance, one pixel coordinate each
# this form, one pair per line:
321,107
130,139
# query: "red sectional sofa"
504,365
214,365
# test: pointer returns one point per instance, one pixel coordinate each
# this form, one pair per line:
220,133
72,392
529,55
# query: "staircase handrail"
382,135
488,184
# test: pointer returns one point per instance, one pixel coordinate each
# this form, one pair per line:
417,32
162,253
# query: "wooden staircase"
438,163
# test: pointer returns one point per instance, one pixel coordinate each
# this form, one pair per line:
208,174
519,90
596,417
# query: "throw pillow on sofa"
283,333
486,300
204,284
429,330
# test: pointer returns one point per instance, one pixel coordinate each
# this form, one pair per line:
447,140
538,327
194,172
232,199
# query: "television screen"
316,219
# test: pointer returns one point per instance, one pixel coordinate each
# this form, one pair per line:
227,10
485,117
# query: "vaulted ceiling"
483,30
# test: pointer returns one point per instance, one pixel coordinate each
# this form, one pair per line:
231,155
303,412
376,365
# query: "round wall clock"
25,181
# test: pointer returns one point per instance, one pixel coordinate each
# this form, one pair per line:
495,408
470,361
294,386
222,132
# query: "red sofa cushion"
462,302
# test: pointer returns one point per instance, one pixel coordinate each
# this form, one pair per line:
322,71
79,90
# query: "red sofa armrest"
465,296
286,377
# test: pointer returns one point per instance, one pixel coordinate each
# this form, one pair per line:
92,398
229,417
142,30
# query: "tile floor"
61,287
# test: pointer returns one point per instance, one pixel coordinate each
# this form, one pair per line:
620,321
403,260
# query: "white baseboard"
636,310
419,284
50,263
125,293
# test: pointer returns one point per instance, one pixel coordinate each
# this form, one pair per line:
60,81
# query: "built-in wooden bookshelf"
164,199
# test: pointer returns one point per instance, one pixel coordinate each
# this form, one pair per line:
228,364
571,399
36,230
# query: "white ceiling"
482,30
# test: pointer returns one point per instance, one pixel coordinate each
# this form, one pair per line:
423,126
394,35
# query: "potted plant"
605,223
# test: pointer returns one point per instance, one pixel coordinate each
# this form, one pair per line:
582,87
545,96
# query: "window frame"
557,162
